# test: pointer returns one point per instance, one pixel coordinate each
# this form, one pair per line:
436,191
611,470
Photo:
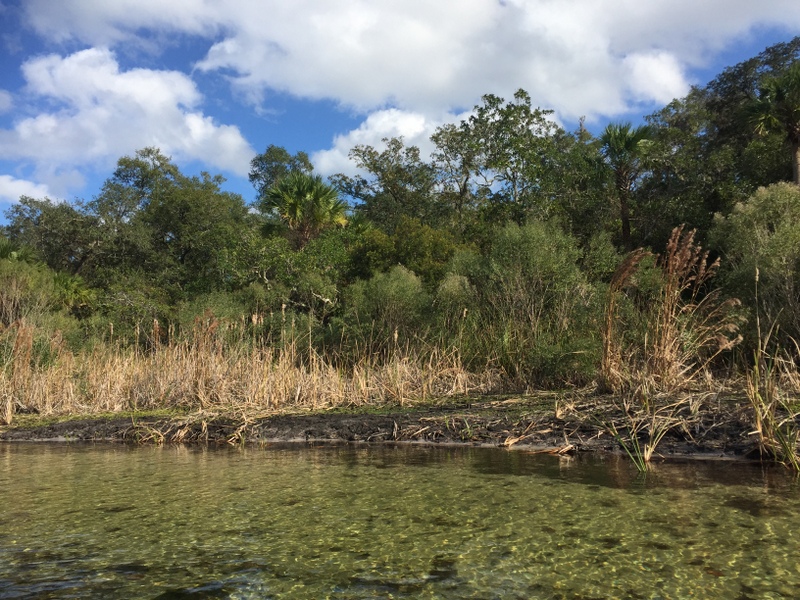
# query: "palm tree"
624,149
778,109
305,204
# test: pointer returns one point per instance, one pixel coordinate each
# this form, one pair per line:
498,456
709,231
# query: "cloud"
93,112
414,128
655,77
6,102
406,66
581,57
11,189
108,23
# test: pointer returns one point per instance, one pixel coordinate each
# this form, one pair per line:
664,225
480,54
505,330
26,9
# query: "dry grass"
204,374
687,324
646,419
774,419
692,325
772,375
614,373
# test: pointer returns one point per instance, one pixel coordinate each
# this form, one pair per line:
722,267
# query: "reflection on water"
387,522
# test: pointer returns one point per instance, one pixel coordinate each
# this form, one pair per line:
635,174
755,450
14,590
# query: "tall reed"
691,324
774,417
614,374
686,325
203,372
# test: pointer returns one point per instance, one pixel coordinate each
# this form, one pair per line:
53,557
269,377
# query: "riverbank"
709,426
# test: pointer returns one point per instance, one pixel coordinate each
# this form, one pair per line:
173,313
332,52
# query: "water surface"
387,522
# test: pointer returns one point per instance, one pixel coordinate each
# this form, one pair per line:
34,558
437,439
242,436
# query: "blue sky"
85,82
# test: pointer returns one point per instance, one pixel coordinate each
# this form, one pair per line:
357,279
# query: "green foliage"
418,247
275,163
59,234
455,296
535,306
707,155
27,292
305,205
72,293
388,308
399,184
11,251
373,252
626,149
601,258
132,303
276,276
32,297
763,235
422,262
778,109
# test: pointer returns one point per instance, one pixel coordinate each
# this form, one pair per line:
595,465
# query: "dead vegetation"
655,381
204,374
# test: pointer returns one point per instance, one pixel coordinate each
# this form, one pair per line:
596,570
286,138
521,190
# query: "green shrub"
763,234
537,310
27,291
388,308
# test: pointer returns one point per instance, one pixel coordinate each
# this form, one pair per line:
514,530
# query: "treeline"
509,247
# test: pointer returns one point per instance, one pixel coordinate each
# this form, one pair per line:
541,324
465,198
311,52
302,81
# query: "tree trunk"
625,217
624,193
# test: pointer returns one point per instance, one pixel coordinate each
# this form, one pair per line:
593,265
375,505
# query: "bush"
388,307
763,234
537,308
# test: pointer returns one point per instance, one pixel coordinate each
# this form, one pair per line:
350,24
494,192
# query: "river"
112,521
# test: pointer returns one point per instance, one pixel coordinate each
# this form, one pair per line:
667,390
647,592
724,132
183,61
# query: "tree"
455,162
190,228
706,155
305,204
63,236
625,148
399,183
275,163
778,109
149,222
760,239
515,165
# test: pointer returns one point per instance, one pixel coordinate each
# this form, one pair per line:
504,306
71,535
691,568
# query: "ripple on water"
358,522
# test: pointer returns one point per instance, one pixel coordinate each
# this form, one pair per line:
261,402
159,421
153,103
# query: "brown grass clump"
682,329
202,373
772,375
686,325
613,372
692,326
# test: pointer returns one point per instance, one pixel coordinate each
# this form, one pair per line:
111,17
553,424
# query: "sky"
213,83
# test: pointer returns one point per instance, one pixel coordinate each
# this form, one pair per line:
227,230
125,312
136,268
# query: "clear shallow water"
387,522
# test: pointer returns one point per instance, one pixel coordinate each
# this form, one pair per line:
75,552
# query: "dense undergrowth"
656,335
518,257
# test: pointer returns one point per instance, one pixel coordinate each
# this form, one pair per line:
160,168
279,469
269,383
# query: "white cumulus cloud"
580,57
12,188
414,128
96,112
655,77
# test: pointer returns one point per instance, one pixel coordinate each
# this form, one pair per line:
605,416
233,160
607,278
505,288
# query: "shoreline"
718,431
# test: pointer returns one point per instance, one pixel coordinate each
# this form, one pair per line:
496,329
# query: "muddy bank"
709,428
